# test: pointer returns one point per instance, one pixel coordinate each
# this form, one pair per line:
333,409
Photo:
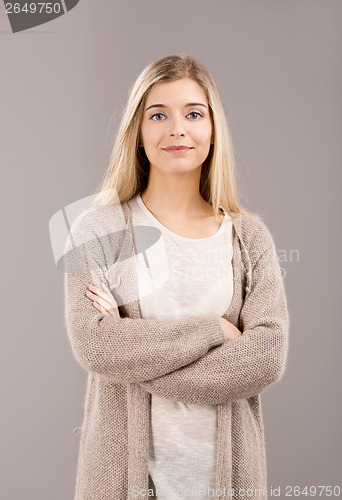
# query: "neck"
175,195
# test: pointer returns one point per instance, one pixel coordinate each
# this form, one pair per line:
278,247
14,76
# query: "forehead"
179,91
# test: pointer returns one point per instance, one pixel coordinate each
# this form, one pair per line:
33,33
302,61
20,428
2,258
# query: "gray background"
63,88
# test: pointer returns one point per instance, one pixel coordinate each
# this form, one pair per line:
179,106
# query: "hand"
103,300
230,330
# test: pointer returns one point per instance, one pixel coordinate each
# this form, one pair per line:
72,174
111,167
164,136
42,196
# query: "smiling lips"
177,149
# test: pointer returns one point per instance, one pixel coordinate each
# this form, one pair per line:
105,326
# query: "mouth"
177,149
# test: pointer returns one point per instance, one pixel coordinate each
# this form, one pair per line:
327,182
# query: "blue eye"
161,114
157,114
195,113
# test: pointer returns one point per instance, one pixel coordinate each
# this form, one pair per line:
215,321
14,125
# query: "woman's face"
176,114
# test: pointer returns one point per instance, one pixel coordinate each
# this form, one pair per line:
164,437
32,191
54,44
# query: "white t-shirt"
178,277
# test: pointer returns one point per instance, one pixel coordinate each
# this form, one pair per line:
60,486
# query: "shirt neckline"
178,236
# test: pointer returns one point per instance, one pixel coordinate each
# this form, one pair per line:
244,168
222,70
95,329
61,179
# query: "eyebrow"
189,105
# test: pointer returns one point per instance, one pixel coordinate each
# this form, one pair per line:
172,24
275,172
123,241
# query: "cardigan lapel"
139,400
224,411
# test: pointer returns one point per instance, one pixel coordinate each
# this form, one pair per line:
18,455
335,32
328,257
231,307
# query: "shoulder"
98,230
255,236
97,221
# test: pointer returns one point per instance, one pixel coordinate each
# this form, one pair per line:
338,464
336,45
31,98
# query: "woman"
182,321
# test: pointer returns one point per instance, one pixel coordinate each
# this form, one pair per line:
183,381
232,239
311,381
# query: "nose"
177,127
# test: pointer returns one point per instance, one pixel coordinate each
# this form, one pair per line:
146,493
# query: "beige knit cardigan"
187,359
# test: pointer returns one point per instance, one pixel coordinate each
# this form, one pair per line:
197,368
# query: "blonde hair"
128,171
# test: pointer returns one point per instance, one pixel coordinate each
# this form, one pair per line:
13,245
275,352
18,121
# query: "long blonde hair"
128,171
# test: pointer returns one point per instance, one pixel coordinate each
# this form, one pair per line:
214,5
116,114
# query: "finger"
112,313
104,295
115,310
109,294
100,308
107,303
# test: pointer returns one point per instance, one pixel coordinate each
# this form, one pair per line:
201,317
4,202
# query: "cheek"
203,136
149,134
145,130
202,133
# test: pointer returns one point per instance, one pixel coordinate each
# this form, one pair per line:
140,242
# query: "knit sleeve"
125,350
247,365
